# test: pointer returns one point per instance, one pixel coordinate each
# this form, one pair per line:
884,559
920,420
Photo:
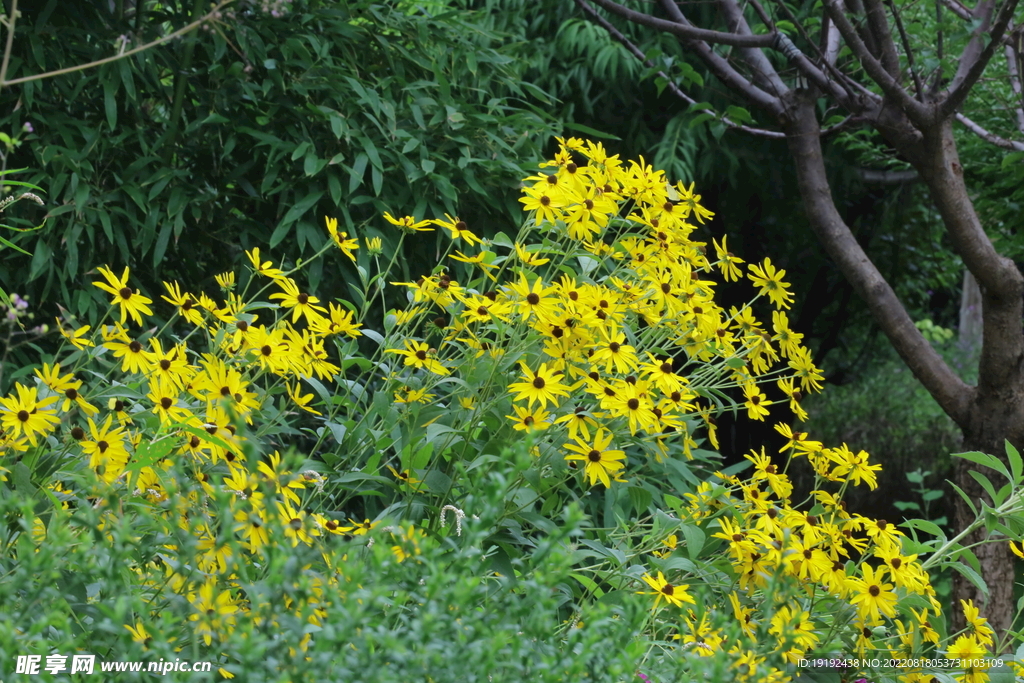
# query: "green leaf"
640,498
926,526
971,576
593,132
985,460
967,499
1016,466
695,538
985,484
355,177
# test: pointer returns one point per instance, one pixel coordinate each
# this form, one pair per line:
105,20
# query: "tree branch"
973,62
672,87
686,31
1013,56
802,135
839,86
917,111
883,36
956,8
989,137
721,68
100,62
918,88
754,57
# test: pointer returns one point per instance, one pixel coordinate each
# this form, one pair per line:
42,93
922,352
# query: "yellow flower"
408,223
265,268
225,281
528,421
664,590
374,245
27,414
458,228
418,354
186,303
770,281
541,387
106,451
139,632
130,302
727,263
598,460
529,257
347,244
76,337
873,597
405,476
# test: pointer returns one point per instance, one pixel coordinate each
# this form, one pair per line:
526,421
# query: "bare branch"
918,88
672,87
99,62
917,111
883,36
1013,56
762,68
721,68
10,41
839,85
686,31
989,137
973,62
956,8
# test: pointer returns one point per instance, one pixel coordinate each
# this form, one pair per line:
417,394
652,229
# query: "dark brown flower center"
71,393
594,456
633,403
533,298
23,415
102,446
126,293
538,383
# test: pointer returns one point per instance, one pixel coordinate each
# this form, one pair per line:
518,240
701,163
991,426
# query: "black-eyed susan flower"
338,321
188,305
533,300
130,302
769,279
458,229
27,414
408,223
545,200
872,596
213,611
598,460
348,245
526,420
66,385
106,450
225,280
615,353
417,354
663,590
264,268
301,303
77,336
542,386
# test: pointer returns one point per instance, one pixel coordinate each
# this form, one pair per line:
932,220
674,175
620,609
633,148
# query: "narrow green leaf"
1016,466
355,177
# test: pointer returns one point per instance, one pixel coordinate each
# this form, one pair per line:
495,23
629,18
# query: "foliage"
190,496
180,157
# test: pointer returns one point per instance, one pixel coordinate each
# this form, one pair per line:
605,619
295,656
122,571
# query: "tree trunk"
970,337
986,414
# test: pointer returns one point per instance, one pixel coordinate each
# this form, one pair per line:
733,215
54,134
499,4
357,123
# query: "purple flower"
28,127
